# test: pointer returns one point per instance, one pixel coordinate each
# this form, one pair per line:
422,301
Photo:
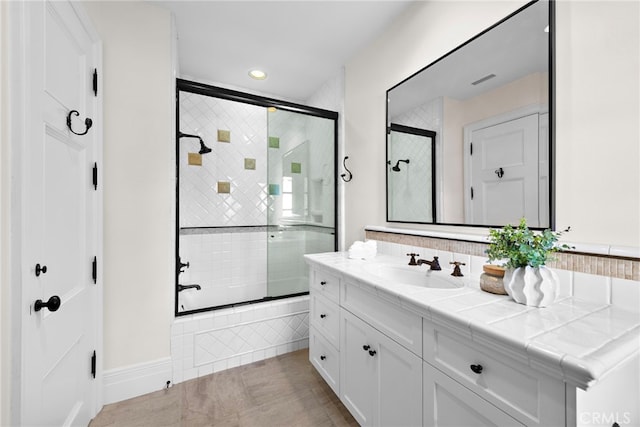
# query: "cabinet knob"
322,316
372,353
476,368
323,283
323,357
366,347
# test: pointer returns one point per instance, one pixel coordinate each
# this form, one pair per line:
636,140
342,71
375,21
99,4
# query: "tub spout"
183,287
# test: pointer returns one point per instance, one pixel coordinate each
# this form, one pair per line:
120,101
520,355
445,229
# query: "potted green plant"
526,279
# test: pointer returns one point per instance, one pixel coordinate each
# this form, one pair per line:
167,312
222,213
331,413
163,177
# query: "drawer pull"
322,316
476,368
372,353
323,357
323,283
365,347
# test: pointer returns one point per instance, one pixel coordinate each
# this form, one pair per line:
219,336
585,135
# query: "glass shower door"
301,196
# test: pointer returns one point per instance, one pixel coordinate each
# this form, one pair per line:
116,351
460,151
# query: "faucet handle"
413,256
456,268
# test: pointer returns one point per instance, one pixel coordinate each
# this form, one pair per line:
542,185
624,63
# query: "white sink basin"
415,275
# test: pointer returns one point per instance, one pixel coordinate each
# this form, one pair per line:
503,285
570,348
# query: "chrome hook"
87,122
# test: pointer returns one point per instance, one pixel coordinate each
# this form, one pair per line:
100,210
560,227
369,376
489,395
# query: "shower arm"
203,148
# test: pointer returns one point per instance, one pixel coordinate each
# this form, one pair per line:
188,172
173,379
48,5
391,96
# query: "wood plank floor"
282,391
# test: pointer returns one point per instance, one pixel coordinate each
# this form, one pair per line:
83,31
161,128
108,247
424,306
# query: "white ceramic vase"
533,286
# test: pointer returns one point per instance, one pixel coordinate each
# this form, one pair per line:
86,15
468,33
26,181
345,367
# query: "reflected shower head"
203,148
396,168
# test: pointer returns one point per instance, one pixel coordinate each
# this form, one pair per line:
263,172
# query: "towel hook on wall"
344,164
87,123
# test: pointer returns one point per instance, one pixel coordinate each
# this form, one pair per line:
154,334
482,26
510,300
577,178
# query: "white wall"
139,180
5,191
596,97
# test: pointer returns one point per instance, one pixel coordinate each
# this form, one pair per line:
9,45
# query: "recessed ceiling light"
257,74
271,109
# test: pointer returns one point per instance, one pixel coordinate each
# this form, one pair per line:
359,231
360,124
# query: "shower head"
203,148
396,168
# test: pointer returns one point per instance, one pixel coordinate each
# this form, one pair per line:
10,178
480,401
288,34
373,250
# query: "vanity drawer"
397,323
325,284
325,317
325,358
510,385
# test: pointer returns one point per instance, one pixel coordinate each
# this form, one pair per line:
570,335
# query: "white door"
504,173
61,227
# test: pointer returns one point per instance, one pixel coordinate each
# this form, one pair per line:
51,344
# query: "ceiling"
299,44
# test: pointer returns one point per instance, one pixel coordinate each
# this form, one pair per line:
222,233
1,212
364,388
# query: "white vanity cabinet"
395,360
381,382
324,326
501,388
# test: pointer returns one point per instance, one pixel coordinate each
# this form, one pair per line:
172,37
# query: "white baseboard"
136,380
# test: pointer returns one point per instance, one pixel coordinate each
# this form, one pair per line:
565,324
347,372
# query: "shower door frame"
247,98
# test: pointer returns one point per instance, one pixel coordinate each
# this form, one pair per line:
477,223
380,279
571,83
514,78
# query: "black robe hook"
87,122
344,164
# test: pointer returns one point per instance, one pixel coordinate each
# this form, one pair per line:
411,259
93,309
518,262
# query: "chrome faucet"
433,265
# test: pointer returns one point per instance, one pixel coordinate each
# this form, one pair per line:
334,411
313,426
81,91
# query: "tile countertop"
577,340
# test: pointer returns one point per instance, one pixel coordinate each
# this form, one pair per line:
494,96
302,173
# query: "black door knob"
476,368
322,316
40,269
323,357
53,304
323,283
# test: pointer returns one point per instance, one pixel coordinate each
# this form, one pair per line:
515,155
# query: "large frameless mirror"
485,108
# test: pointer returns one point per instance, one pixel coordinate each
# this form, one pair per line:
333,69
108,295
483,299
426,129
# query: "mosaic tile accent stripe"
602,265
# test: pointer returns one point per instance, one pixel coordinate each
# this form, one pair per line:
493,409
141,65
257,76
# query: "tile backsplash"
601,279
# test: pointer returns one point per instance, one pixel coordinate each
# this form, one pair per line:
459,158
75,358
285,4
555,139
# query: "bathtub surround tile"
239,335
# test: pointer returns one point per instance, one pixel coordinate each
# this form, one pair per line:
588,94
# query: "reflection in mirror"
410,174
488,103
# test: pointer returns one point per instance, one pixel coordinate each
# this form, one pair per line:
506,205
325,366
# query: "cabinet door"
357,368
448,403
399,397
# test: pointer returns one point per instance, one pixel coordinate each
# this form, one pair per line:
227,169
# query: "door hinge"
471,148
95,176
93,364
95,82
471,193
94,270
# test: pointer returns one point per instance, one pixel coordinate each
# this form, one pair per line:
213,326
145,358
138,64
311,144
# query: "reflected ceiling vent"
484,79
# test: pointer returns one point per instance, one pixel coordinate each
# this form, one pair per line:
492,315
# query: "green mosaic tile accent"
250,164
274,142
274,189
296,167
